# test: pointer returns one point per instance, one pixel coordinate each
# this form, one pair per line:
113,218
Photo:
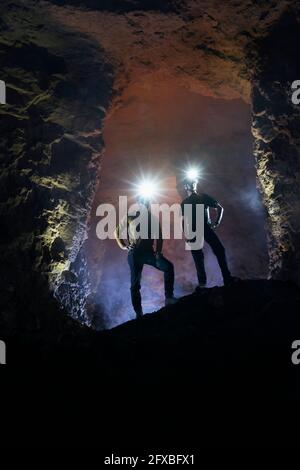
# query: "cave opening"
157,128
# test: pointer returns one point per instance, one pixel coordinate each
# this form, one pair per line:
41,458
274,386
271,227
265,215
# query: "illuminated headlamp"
146,190
192,174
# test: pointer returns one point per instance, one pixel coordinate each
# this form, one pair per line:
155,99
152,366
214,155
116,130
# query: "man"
141,251
210,236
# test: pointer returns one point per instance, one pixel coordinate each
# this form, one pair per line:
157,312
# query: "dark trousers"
219,251
136,261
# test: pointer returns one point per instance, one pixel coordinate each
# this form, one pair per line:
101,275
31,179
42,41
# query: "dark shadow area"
121,6
200,373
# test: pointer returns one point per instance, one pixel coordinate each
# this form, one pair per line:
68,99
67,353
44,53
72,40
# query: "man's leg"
163,264
136,267
198,257
219,251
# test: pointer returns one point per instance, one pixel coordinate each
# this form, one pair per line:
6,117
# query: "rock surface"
201,44
277,144
64,61
245,330
58,87
214,370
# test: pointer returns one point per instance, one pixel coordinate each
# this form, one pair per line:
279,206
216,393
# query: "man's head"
190,181
190,186
142,200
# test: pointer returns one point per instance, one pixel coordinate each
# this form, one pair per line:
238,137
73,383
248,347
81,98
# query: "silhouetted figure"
141,252
210,236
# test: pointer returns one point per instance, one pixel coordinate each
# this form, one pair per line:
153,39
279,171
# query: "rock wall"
219,49
58,89
62,63
276,128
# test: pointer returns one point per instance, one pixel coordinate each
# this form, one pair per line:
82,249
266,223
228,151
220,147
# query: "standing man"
193,198
141,251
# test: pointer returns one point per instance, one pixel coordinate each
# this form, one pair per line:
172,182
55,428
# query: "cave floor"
214,364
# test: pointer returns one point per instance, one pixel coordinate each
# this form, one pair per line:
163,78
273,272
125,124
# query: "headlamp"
192,174
146,189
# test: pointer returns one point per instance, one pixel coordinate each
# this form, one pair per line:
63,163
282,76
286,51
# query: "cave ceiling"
206,46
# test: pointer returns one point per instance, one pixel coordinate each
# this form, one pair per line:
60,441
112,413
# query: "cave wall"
226,50
276,128
63,65
58,90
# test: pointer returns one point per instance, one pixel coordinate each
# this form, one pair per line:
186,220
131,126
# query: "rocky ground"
249,325
204,372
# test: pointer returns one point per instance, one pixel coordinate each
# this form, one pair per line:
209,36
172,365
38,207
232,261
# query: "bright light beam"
147,189
192,173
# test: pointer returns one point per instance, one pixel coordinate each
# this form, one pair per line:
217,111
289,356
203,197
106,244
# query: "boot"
200,287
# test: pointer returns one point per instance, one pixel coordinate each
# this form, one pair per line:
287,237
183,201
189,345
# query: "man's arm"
212,203
220,212
121,241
